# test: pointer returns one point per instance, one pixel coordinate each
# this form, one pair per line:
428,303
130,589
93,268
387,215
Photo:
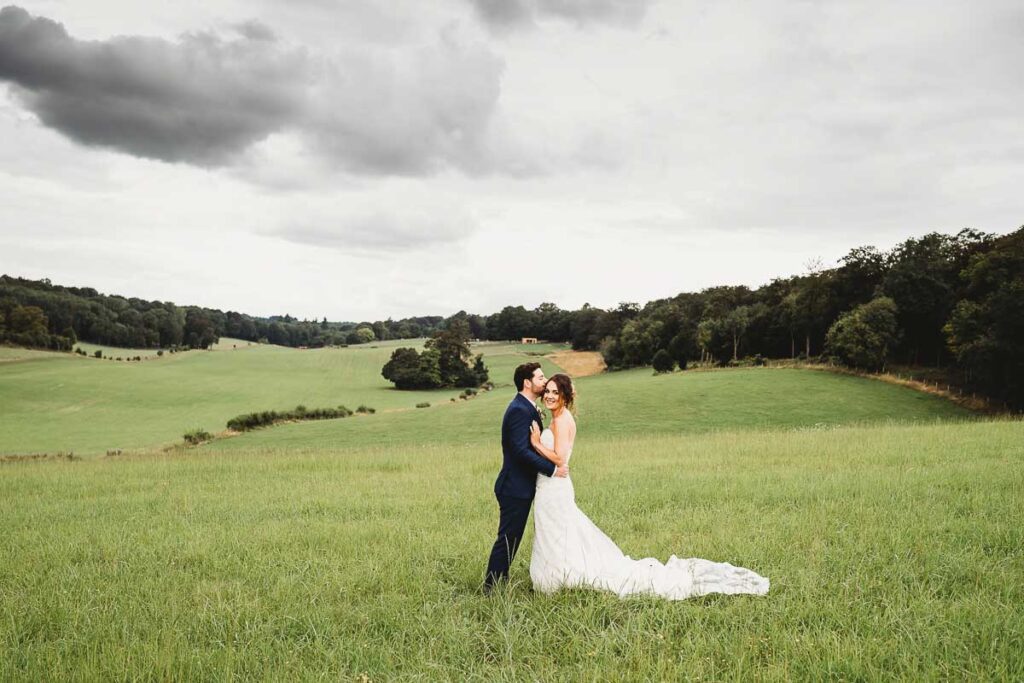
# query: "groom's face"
538,382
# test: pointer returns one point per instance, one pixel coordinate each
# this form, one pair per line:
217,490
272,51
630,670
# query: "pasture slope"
634,403
53,402
888,521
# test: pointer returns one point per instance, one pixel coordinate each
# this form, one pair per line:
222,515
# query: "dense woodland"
955,302
45,315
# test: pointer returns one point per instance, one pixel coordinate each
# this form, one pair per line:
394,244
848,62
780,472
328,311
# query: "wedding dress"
570,551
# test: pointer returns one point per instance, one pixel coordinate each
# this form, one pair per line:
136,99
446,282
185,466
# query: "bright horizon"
445,314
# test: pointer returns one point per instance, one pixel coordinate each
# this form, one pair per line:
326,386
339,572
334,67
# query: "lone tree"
864,337
404,369
663,361
444,363
361,335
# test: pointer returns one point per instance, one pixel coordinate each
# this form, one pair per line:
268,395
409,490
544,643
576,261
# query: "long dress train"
571,551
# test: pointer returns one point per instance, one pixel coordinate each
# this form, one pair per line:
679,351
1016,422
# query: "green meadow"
889,522
53,402
634,403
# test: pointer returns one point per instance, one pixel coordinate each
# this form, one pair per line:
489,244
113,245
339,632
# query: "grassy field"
11,354
889,522
52,402
62,402
223,344
635,402
894,553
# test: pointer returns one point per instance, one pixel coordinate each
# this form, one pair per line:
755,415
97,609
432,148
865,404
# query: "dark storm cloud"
205,99
254,30
199,100
505,14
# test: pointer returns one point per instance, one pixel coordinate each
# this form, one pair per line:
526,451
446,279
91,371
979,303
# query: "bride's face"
552,399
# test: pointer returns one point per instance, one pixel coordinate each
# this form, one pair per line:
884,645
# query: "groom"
517,481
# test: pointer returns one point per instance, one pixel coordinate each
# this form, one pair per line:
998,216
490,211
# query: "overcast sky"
363,159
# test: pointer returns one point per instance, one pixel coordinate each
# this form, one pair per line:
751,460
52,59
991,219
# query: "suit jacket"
520,463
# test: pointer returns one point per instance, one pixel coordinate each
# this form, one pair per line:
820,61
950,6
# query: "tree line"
953,302
945,301
950,301
40,314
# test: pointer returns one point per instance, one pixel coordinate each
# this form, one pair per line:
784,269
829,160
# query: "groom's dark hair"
523,373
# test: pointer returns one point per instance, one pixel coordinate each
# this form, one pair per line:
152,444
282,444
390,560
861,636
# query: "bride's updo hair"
565,388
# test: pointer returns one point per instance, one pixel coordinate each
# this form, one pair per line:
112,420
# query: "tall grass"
888,521
894,553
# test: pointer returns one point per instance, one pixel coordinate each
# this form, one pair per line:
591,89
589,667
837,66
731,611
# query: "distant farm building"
529,340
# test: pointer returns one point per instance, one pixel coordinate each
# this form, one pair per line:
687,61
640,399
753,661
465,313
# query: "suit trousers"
511,528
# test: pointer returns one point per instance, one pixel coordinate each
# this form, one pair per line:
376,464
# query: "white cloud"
400,219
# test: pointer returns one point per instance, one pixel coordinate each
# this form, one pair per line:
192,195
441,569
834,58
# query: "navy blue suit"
516,484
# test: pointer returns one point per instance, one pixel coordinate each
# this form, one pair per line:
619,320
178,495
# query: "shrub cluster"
98,353
244,423
663,362
195,437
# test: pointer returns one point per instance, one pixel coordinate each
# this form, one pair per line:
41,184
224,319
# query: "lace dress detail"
571,551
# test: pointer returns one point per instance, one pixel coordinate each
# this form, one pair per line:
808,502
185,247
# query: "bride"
570,551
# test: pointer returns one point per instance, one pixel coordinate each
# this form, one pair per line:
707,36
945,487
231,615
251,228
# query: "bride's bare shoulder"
565,421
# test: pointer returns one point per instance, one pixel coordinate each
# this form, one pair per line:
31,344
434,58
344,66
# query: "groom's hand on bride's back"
562,471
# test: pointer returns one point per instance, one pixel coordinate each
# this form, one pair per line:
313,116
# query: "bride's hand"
534,434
